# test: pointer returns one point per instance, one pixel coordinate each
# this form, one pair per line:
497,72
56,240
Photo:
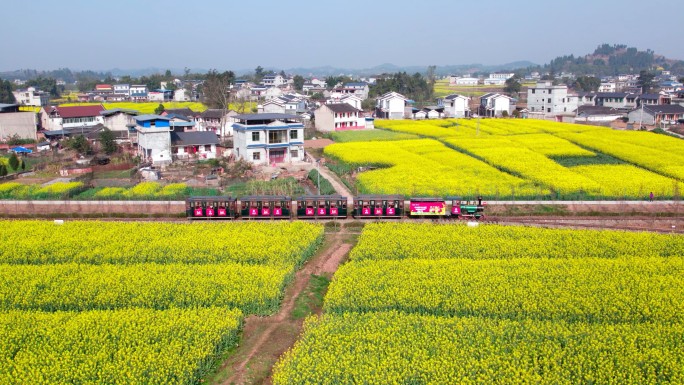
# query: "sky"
355,34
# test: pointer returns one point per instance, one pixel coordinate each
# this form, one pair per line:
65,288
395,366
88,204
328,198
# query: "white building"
124,89
494,105
120,121
338,117
390,106
273,80
352,100
547,99
268,138
154,138
498,79
213,120
138,93
32,97
467,81
455,105
58,118
202,145
608,87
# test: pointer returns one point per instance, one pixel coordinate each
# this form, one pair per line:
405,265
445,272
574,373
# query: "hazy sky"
226,34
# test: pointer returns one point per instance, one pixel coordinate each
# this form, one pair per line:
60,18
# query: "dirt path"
265,339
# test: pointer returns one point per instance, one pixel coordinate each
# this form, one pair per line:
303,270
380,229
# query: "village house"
15,123
338,117
466,81
428,112
390,106
359,89
350,99
138,93
268,138
215,121
498,79
121,122
200,144
154,139
597,114
656,114
79,117
494,105
32,97
455,105
545,99
273,80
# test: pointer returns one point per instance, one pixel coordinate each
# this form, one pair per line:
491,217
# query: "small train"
331,207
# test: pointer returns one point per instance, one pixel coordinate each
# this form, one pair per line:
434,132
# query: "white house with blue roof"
154,138
268,138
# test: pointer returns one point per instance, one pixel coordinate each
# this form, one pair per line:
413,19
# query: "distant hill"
610,60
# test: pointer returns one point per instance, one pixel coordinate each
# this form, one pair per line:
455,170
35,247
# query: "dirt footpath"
265,339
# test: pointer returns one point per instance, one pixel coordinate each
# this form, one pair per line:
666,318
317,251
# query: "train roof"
266,198
388,197
327,197
427,199
215,198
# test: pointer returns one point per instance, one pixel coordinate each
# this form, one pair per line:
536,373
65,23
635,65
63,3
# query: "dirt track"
265,339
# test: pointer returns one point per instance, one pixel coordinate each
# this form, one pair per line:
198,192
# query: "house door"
277,156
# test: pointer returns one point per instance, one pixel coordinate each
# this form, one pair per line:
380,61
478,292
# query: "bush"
326,188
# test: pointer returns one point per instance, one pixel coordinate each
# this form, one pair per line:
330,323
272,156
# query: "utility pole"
318,172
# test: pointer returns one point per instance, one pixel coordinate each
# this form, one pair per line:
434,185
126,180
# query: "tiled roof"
79,111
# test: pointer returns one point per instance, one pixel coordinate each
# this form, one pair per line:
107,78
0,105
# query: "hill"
610,60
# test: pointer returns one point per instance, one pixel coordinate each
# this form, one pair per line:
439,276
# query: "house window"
256,156
293,134
294,154
255,137
549,100
548,110
207,147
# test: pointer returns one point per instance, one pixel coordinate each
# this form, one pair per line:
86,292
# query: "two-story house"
74,117
455,105
268,138
216,121
138,92
123,89
154,138
121,122
273,80
494,105
338,117
390,106
360,89
32,97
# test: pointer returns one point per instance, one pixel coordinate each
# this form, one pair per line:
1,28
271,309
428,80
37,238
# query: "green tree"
298,82
79,143
586,83
368,104
14,161
6,95
646,81
108,141
258,74
160,108
512,86
3,170
23,165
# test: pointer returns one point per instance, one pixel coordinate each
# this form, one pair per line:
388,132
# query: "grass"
442,88
115,174
599,159
370,135
311,299
286,186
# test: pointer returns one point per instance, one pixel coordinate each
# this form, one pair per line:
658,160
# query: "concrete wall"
21,124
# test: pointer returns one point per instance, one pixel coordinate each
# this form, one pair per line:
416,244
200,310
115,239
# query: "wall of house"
273,108
637,117
324,120
459,108
202,152
396,108
21,124
118,122
158,142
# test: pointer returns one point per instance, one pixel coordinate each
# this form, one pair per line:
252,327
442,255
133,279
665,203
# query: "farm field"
429,304
538,159
136,302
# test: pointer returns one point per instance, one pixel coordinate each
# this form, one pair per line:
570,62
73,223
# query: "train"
313,207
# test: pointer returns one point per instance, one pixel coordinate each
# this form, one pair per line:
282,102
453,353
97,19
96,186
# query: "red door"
276,156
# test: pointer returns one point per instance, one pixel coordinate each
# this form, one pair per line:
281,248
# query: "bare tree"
216,92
